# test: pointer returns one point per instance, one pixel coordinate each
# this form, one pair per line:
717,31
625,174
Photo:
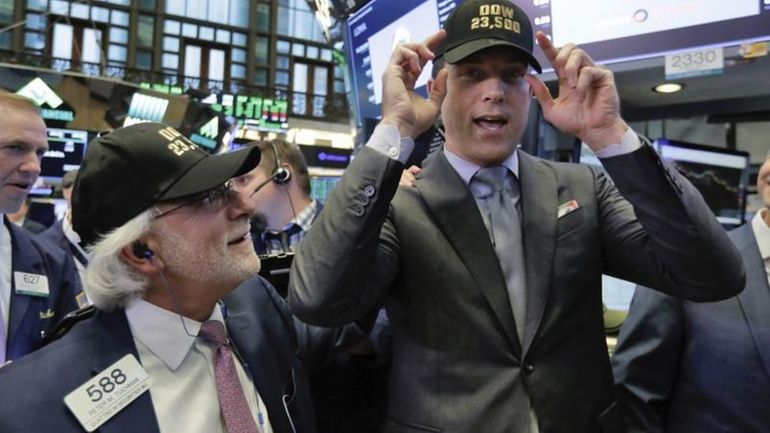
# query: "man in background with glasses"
681,366
170,346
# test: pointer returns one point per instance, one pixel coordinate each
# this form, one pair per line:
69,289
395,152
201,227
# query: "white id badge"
107,393
30,284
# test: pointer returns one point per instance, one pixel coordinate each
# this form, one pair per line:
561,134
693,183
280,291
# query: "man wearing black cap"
171,346
490,266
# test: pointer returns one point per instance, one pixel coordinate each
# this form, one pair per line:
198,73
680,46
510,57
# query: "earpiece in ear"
282,175
141,250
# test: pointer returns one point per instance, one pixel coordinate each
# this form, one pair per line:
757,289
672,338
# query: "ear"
146,266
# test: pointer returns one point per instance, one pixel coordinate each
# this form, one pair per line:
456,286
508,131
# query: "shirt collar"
467,169
305,217
72,236
5,234
761,233
162,330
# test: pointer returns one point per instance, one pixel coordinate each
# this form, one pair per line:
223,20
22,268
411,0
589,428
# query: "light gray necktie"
498,193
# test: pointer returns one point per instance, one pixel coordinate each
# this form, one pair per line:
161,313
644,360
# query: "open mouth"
20,185
491,122
240,239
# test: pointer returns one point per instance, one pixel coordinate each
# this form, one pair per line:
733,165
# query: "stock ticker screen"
720,175
66,148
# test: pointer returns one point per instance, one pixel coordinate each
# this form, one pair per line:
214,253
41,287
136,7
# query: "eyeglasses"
211,200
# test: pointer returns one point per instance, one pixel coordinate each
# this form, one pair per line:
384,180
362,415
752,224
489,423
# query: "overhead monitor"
146,108
609,30
720,175
66,148
373,31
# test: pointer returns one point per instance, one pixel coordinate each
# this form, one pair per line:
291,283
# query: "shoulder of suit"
69,322
54,356
35,244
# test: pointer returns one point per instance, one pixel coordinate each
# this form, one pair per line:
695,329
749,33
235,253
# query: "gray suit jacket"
426,254
683,367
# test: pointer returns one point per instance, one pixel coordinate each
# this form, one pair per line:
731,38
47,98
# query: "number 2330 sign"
708,61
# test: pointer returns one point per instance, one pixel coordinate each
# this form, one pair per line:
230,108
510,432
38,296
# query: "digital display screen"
263,113
66,148
146,108
326,157
374,30
720,175
609,30
321,186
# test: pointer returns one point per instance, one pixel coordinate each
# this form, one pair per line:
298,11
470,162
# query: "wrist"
405,129
601,138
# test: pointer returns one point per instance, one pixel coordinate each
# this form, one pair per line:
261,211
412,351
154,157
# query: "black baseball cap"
478,24
133,168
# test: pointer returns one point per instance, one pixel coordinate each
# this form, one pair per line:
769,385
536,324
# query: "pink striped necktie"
235,410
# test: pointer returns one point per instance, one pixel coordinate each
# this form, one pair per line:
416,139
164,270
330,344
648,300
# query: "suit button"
363,200
527,368
358,210
369,190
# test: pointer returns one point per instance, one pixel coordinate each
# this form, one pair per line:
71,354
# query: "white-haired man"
171,345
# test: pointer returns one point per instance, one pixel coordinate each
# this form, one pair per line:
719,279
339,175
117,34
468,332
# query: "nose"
241,204
494,89
30,165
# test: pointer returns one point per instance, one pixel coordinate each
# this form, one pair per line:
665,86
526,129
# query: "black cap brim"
462,51
212,172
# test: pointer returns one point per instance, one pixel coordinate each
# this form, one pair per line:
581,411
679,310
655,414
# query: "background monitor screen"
146,108
720,175
321,186
373,31
66,148
610,30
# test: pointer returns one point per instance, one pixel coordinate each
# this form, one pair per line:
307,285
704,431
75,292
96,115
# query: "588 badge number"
106,385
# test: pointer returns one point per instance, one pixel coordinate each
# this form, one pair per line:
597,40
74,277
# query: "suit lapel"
539,204
114,341
266,352
756,295
457,216
248,337
25,258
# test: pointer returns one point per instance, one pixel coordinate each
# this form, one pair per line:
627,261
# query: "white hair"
109,281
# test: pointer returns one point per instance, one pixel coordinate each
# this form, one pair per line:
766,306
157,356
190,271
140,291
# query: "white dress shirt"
6,270
762,234
74,239
181,367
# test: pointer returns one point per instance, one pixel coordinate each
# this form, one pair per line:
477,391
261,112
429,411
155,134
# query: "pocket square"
566,208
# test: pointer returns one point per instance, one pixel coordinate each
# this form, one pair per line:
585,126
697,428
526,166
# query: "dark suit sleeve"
668,239
317,345
349,257
647,359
